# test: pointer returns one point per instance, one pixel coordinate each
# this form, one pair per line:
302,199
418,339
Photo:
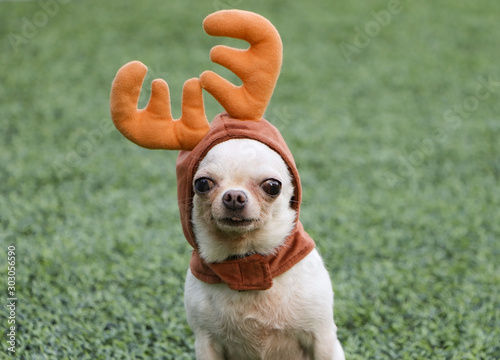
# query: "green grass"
401,181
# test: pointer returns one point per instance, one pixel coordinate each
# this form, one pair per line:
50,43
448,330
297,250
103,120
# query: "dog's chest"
261,323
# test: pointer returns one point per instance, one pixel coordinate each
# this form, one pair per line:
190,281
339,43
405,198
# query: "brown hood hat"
254,272
154,128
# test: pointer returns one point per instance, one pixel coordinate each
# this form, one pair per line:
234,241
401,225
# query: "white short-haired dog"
242,207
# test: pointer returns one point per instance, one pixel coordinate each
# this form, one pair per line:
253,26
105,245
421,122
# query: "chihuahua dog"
241,207
256,288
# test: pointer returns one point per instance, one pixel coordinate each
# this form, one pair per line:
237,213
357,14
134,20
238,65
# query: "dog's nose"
234,199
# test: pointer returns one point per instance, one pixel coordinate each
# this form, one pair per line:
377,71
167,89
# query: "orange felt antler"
154,127
258,66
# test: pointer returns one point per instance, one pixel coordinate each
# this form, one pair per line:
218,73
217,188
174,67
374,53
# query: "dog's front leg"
206,349
328,348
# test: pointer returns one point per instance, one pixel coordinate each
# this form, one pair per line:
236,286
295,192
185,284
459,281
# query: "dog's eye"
203,185
272,187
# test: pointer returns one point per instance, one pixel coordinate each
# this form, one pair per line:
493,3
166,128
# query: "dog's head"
242,200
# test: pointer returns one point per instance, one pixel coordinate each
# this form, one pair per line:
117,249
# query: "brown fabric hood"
253,272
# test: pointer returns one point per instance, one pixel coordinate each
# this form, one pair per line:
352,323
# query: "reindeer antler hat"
154,128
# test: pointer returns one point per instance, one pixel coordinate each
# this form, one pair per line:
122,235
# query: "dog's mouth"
236,222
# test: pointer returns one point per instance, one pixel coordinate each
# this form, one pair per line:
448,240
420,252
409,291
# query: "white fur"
293,319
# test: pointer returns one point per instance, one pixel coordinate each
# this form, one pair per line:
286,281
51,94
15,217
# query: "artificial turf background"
395,129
